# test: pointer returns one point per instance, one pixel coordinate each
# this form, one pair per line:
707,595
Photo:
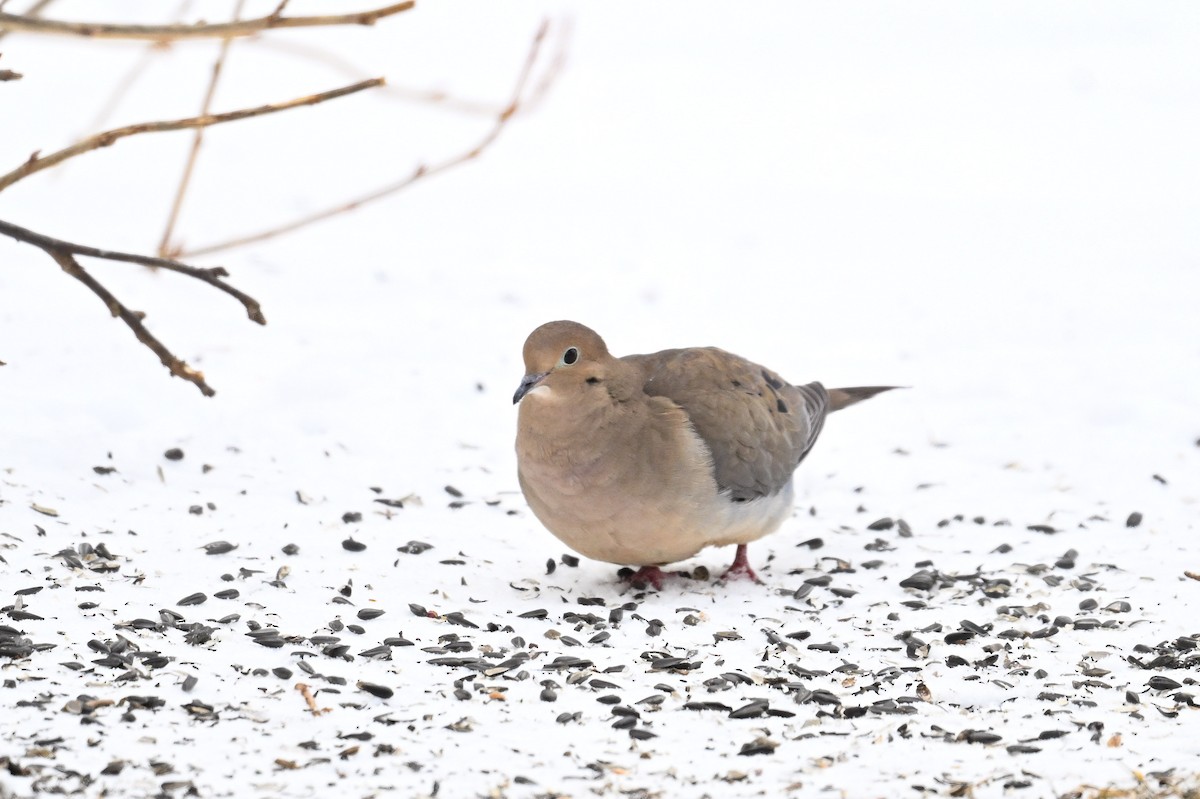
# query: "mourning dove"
647,459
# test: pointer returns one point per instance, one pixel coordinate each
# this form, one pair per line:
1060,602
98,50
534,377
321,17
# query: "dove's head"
562,358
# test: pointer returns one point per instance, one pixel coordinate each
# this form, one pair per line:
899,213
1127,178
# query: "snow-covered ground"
994,204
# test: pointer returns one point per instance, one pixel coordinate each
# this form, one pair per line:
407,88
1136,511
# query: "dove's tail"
842,397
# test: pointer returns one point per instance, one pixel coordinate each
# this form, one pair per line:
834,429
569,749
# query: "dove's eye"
570,355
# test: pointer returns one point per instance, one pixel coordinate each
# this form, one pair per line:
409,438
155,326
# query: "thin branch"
36,162
122,87
64,252
219,30
126,82
211,275
8,74
420,173
177,366
350,71
164,246
558,62
32,11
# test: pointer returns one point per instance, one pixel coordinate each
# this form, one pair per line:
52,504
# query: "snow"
993,204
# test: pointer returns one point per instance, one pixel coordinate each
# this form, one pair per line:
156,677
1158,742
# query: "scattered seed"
979,737
381,691
923,580
752,710
1022,749
1160,682
759,746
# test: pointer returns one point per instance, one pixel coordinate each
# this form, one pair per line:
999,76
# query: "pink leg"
647,575
741,566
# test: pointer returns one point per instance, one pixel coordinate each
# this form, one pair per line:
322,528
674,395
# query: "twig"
126,82
342,65
64,252
211,275
557,63
32,11
8,74
130,77
164,246
218,30
133,320
418,174
36,162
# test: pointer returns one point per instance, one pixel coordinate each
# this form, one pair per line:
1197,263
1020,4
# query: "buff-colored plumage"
647,459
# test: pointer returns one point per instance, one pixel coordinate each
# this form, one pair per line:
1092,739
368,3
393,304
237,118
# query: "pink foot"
741,567
647,575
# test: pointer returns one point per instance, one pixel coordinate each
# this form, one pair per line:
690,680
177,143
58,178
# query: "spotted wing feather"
757,426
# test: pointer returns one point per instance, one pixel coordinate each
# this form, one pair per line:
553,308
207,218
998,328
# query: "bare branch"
177,366
210,275
164,246
558,61
8,74
68,254
32,11
64,252
122,86
219,30
36,162
350,71
421,172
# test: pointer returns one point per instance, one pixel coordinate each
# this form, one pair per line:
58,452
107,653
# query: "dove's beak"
528,383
